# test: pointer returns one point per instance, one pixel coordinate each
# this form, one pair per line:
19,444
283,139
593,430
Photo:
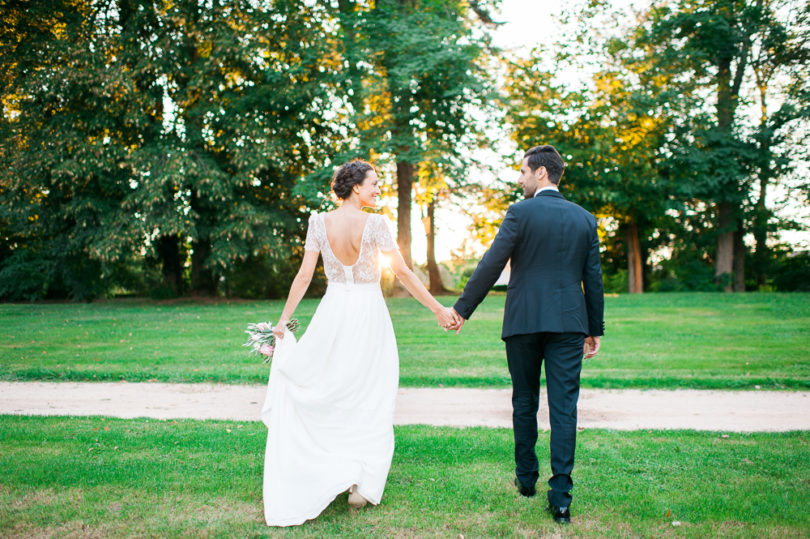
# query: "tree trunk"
739,258
168,250
761,234
728,89
404,140
760,221
724,263
404,187
635,273
436,285
202,278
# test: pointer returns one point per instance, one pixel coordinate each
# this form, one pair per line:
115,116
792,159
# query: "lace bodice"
376,237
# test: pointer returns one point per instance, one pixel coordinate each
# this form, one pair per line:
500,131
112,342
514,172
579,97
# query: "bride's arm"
413,285
298,288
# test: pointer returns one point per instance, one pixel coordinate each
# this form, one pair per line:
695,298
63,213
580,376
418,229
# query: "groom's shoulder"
583,213
570,208
532,204
521,205
524,209
580,208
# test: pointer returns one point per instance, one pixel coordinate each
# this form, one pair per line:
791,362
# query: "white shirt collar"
547,188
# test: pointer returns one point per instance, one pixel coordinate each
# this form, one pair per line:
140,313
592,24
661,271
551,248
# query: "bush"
790,272
30,275
683,274
268,278
616,283
25,276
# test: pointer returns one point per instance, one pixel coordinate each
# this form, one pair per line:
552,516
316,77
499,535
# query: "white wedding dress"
330,399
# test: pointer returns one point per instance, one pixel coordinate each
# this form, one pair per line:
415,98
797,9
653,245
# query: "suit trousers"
562,353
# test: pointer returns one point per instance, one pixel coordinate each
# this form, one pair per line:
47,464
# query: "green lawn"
721,341
113,477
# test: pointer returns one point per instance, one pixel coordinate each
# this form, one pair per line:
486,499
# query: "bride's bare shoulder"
332,216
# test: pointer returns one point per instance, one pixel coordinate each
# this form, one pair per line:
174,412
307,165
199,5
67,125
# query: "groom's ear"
540,172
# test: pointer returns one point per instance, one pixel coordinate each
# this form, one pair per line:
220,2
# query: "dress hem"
297,521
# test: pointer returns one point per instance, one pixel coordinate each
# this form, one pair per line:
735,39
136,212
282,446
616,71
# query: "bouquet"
261,339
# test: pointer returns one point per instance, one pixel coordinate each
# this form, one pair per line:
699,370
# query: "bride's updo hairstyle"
348,175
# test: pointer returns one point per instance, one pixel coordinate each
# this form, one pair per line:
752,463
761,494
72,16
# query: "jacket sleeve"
592,285
490,266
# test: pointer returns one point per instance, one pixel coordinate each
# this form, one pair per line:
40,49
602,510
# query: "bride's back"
344,232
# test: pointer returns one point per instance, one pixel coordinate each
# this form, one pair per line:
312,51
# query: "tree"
249,84
133,127
430,189
658,141
411,98
64,139
608,131
779,57
709,45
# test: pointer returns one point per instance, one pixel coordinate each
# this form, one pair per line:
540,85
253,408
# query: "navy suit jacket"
556,280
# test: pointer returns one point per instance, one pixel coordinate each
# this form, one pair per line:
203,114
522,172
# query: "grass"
103,477
708,341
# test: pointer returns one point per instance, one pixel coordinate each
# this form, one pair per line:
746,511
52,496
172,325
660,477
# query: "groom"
554,249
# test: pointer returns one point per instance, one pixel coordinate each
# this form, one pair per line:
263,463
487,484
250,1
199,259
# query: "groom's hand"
591,346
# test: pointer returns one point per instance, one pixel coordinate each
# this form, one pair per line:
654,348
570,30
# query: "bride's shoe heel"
356,501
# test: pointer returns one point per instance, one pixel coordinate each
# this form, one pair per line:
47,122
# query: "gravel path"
611,409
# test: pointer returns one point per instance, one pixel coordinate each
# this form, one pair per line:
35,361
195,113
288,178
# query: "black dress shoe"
562,515
524,491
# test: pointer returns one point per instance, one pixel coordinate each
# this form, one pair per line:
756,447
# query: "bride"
330,399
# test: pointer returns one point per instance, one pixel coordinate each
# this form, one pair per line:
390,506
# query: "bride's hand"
278,329
447,318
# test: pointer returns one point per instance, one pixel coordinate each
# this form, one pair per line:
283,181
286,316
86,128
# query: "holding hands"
449,319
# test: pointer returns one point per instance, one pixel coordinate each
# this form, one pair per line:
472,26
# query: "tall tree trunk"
739,258
405,173
724,263
760,221
168,250
728,90
202,278
635,273
436,285
760,230
402,134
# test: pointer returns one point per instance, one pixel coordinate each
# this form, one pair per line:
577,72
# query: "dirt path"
612,409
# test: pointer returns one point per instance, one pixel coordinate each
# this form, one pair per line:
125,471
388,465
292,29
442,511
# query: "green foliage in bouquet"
261,339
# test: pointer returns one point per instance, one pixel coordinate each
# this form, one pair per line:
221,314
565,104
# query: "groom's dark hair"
546,156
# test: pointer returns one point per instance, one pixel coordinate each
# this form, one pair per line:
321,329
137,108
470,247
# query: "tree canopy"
172,148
